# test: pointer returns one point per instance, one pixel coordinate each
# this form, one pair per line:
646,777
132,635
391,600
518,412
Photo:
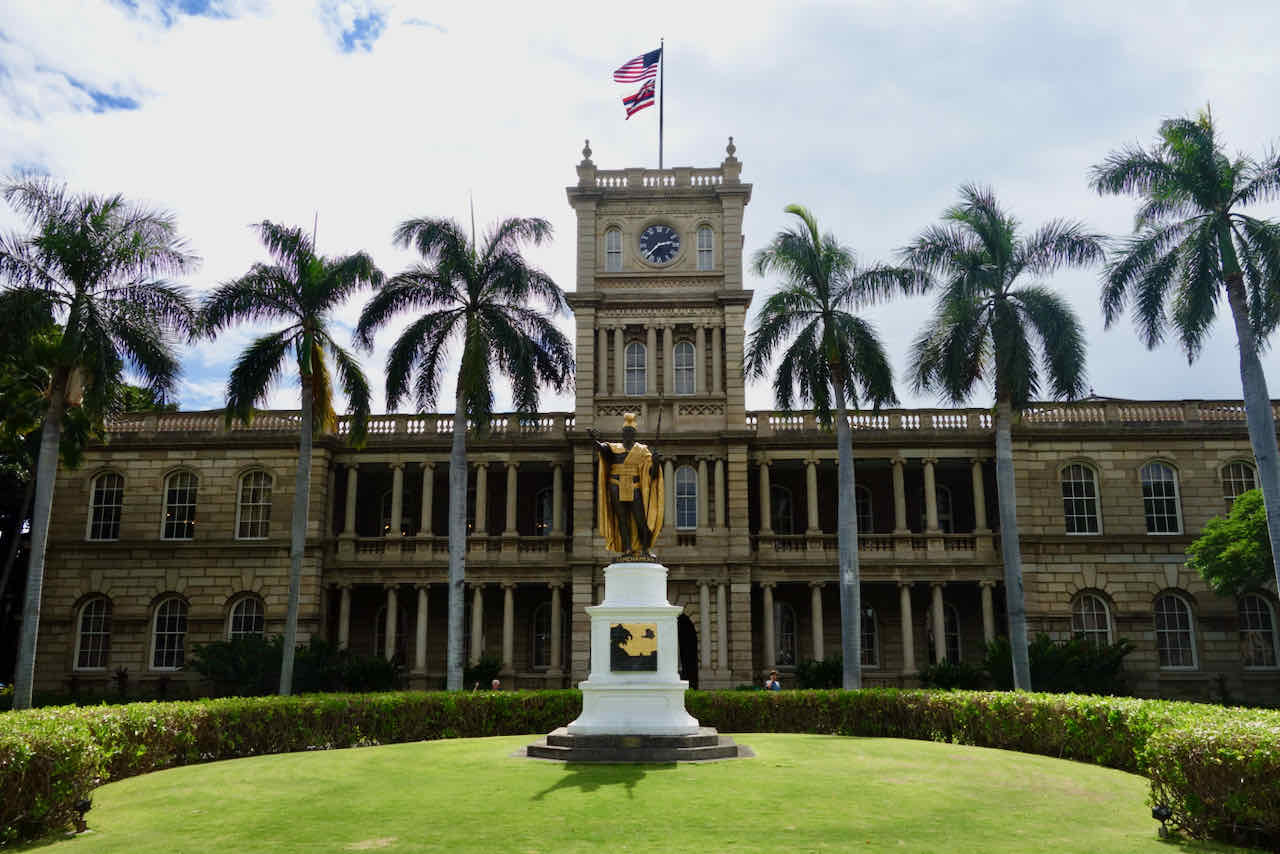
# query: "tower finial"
731,149
586,152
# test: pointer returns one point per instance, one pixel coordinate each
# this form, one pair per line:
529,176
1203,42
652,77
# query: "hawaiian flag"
643,67
637,102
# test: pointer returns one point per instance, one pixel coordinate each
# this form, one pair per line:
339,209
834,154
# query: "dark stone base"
704,746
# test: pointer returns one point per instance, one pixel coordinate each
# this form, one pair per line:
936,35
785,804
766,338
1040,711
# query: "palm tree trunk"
457,542
46,474
297,537
1010,549
847,541
11,555
1258,413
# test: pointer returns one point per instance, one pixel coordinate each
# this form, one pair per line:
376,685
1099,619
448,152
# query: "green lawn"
800,793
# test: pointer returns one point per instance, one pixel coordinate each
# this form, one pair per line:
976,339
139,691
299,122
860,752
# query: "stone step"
705,737
706,746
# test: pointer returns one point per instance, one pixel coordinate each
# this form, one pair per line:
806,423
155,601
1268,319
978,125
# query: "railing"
825,544
622,179
388,426
387,549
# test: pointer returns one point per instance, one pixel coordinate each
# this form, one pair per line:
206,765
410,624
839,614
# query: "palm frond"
939,248
878,283
783,312
1059,243
288,245
1016,376
1262,183
1061,339
507,236
950,356
1131,170
434,239
264,294
356,387
1258,246
866,369
804,374
165,304
1141,260
344,276
419,288
1196,297
474,375
255,372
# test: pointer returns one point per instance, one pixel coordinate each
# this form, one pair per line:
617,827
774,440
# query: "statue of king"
629,492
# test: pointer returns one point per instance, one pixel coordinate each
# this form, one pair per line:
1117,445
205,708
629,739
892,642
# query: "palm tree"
986,331
302,289
101,264
835,360
1191,244
478,296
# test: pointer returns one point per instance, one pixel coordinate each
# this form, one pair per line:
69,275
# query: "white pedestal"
634,702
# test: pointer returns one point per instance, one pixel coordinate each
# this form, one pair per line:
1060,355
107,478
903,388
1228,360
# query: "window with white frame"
1175,635
179,506
686,498
106,502
1091,619
862,504
1237,477
706,251
1080,500
247,618
782,510
1257,632
870,639
684,359
635,376
784,633
613,250
1160,499
950,633
93,642
169,636
253,510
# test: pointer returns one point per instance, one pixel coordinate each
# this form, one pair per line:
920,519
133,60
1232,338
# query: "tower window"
613,250
706,253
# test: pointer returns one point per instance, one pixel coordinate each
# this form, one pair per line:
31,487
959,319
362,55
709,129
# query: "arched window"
402,634
1257,632
93,641
950,633
253,509
179,506
862,504
1175,634
870,639
169,635
783,512
541,648
635,376
1080,500
1237,477
784,633
684,359
613,250
247,618
686,498
1160,499
1091,619
706,252
544,507
105,504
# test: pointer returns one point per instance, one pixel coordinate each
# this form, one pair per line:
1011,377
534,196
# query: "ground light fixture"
82,806
1162,814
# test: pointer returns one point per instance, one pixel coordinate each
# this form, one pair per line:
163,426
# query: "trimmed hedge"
1218,769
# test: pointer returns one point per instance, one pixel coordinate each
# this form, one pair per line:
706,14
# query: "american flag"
637,102
643,67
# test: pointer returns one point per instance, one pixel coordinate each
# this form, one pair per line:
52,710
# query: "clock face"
659,244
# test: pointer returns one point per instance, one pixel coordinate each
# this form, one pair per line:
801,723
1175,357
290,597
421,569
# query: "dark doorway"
687,638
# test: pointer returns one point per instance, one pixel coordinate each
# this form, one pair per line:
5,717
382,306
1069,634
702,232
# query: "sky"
354,115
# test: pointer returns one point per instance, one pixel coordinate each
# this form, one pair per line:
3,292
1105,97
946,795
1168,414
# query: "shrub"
1076,666
250,667
948,675
827,673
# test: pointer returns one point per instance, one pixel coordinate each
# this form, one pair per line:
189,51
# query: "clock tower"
660,313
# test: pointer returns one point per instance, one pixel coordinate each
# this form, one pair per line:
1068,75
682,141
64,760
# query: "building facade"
176,531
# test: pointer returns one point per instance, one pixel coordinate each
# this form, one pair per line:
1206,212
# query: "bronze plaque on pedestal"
633,647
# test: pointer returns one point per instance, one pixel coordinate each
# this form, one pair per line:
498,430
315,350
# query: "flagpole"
662,91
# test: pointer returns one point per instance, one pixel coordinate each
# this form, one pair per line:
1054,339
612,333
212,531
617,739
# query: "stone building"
177,530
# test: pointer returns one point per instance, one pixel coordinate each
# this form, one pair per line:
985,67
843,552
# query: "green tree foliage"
1075,666
1233,554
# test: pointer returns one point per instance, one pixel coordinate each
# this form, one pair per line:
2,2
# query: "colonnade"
618,330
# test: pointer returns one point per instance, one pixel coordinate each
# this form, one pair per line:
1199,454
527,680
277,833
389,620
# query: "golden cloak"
651,494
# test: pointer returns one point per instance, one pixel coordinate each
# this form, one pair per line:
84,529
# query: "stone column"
508,628
389,648
766,499
477,623
704,614
979,499
908,630
420,636
349,520
716,385
669,360
930,497
699,359
722,628
651,359
815,607
397,500
702,494
939,622
428,499
557,498
556,669
669,495
899,496
513,474
619,360
482,499
602,375
344,616
811,494
988,612
770,642
721,515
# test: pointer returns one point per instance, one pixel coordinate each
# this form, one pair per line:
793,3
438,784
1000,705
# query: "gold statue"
630,493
